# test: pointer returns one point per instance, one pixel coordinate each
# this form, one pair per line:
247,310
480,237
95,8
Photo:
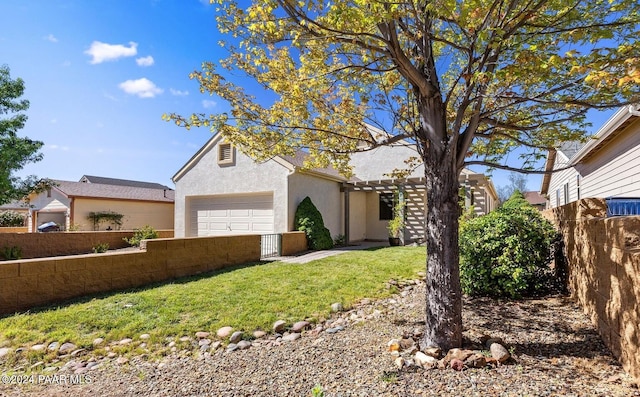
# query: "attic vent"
226,154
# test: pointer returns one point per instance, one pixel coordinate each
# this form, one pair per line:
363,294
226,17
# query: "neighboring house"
70,203
536,199
221,191
608,165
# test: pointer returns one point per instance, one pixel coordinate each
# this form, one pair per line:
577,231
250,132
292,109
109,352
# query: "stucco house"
608,165
222,191
70,203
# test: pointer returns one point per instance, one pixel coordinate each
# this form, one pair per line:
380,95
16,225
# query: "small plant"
317,391
396,224
340,240
73,227
105,216
389,376
144,233
11,253
100,248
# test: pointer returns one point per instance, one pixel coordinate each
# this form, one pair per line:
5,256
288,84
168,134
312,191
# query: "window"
578,186
386,206
226,154
558,202
566,193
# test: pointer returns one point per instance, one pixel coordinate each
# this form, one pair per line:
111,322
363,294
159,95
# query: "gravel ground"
556,353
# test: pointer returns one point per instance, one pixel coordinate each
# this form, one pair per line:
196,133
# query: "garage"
231,214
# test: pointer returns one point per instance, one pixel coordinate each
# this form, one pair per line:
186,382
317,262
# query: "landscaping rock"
259,334
224,332
98,341
125,341
185,339
333,330
66,348
457,365
244,344
122,360
424,360
406,344
393,345
38,347
476,361
434,352
53,346
458,354
236,337
232,347
299,326
491,341
4,351
145,336
499,352
77,352
216,345
278,326
337,307
202,334
291,337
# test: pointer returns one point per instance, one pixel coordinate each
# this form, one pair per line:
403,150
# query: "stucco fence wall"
603,258
41,245
20,229
28,283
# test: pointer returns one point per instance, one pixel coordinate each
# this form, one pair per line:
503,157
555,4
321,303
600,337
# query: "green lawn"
246,298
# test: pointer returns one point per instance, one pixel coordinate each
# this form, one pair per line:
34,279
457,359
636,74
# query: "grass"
247,298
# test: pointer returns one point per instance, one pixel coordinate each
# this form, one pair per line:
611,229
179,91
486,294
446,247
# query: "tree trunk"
444,293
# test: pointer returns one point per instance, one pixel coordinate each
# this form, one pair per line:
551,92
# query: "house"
222,191
608,165
69,204
536,199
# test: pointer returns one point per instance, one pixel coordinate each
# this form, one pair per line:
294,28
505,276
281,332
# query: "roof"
15,206
534,198
577,153
121,182
118,192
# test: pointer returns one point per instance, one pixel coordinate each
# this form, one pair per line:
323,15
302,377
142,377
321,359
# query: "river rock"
224,332
278,326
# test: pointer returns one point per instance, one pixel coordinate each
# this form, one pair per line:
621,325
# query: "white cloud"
58,147
51,38
144,88
145,61
178,92
101,52
207,104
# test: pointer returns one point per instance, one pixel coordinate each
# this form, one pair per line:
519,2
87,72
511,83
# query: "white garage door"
220,215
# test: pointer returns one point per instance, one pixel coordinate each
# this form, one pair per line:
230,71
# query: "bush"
505,253
11,219
309,220
11,253
144,233
100,248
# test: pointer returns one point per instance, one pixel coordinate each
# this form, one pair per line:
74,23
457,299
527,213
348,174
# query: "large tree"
15,152
467,81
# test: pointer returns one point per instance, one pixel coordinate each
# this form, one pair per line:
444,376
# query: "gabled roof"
577,153
117,192
290,162
121,182
534,198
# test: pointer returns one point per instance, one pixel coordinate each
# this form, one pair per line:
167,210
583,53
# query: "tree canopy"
465,82
15,152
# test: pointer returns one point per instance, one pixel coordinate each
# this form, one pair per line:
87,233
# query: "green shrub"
11,219
340,240
100,248
309,220
505,253
144,233
11,253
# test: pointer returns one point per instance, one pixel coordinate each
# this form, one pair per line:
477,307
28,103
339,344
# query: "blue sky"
100,74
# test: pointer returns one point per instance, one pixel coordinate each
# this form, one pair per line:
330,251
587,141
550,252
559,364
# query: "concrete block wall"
41,245
603,256
28,283
293,243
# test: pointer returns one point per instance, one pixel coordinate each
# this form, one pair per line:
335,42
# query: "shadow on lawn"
101,295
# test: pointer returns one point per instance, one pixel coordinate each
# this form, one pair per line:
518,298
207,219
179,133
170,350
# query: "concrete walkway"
313,255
